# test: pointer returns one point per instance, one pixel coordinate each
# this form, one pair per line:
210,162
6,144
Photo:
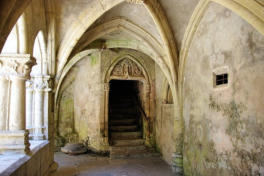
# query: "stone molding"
106,87
135,1
260,2
16,65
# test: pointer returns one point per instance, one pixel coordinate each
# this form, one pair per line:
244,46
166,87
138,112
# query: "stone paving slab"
93,165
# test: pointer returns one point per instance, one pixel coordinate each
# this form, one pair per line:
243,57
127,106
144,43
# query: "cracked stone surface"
94,165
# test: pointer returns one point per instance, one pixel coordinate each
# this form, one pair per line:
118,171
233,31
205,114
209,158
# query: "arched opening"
125,121
16,41
39,53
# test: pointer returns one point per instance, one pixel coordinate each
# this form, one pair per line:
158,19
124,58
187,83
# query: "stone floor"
93,165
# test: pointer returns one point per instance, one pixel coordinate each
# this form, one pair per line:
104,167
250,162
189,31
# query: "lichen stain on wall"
224,132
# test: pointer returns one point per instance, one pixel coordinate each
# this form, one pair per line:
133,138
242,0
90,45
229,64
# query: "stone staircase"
124,128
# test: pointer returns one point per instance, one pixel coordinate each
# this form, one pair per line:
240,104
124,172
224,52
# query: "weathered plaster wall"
164,122
224,126
80,104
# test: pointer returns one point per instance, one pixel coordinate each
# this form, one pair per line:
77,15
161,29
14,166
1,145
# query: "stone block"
14,141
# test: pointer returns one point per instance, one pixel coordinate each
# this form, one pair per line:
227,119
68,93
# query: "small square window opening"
221,79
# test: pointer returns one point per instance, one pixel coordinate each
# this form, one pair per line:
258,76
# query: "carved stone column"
177,164
4,85
16,67
17,120
41,94
46,106
29,106
38,110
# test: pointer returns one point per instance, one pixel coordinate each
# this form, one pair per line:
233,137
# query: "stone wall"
82,98
164,122
224,125
80,104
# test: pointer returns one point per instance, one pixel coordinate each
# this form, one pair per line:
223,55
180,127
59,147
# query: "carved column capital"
135,1
29,85
41,83
16,65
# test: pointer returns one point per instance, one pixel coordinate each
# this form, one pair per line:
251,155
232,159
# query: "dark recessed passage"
221,79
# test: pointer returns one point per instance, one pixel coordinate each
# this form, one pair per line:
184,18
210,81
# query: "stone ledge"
21,164
16,141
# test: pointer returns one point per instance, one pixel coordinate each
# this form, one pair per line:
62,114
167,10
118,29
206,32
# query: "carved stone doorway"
127,68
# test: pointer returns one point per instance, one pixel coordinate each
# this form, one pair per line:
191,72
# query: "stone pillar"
4,87
41,89
29,106
177,164
38,115
15,67
17,117
46,106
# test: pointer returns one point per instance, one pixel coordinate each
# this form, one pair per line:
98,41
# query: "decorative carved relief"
18,65
42,83
127,68
135,1
29,84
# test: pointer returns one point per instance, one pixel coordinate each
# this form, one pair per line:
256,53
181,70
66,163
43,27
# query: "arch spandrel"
126,68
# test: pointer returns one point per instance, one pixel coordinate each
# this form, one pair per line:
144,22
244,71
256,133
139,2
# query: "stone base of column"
177,164
14,141
38,137
38,134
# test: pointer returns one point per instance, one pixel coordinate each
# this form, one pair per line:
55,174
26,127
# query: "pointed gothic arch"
127,67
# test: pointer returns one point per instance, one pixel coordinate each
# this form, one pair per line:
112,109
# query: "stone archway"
128,68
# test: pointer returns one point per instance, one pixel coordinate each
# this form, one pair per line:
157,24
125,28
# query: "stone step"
127,149
122,116
131,142
127,128
121,99
123,122
141,154
130,111
132,152
125,135
122,104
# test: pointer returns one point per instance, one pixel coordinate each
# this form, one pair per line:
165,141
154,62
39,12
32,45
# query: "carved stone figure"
127,68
